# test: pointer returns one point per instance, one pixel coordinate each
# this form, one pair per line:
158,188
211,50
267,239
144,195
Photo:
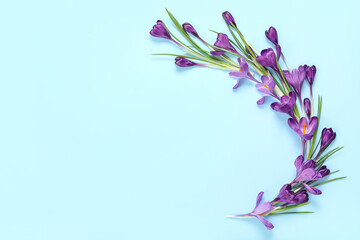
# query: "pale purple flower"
305,171
289,196
286,104
267,88
296,79
259,211
304,128
242,73
267,58
222,41
272,35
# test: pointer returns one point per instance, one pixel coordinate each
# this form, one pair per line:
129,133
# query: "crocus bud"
160,31
327,136
310,74
307,106
190,29
229,19
183,62
323,171
271,34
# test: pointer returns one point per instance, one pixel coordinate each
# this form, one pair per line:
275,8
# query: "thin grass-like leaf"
317,128
289,213
281,209
331,180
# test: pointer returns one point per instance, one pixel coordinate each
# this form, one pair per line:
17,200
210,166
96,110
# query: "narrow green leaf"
281,209
331,180
321,161
317,128
289,213
190,57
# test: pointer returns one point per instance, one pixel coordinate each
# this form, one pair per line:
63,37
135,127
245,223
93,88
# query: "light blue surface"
100,140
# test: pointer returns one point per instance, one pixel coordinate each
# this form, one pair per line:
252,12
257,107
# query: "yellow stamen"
239,70
304,128
266,86
282,104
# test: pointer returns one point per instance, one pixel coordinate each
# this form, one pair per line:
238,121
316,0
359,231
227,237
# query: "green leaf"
321,161
311,153
331,180
184,33
191,57
289,213
281,209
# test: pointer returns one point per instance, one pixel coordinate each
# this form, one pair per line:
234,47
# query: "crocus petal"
267,224
190,29
323,171
276,106
307,106
261,101
309,164
298,163
312,190
293,124
258,198
312,125
237,84
278,51
307,137
303,121
235,74
308,174
263,208
243,65
217,53
301,197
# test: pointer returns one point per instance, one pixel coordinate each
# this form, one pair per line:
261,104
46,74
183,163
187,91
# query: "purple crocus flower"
296,78
229,19
288,196
160,31
242,73
304,128
259,211
310,74
286,104
184,62
266,87
272,35
305,171
190,29
327,136
222,41
267,58
307,106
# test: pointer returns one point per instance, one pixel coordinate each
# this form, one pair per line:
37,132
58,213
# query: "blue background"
101,140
